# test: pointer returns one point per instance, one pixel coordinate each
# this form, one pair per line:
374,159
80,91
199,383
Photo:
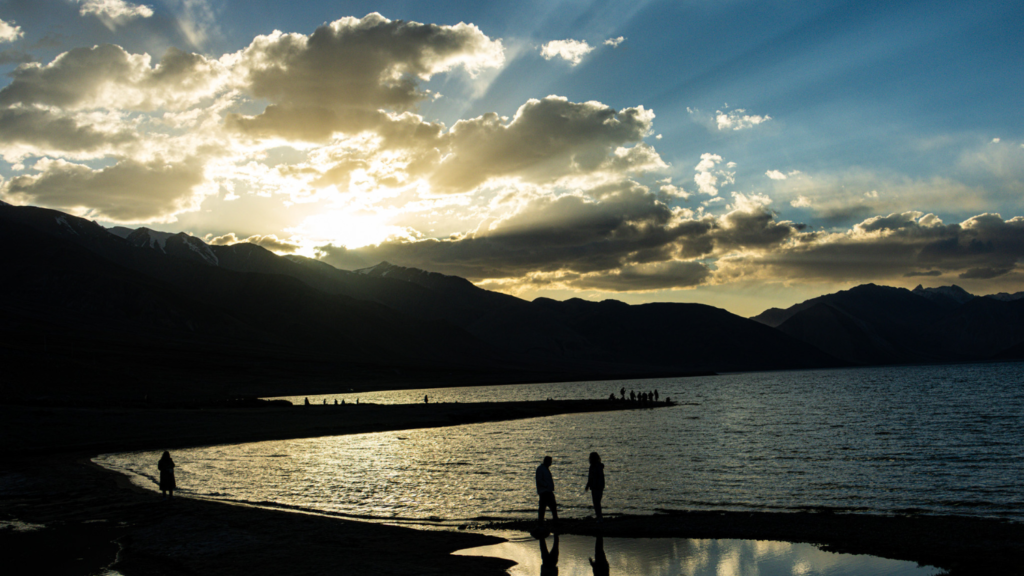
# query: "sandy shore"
93,517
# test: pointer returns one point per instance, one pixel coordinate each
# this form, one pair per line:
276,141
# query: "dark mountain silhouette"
1006,297
945,296
85,307
882,325
695,335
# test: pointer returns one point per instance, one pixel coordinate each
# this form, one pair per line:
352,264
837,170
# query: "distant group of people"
641,397
307,403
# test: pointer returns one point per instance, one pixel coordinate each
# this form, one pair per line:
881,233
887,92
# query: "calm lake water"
585,555
935,440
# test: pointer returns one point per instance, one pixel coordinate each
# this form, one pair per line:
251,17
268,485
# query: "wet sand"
93,516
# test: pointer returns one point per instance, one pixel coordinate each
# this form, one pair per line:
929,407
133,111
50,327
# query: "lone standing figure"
595,483
166,467
546,490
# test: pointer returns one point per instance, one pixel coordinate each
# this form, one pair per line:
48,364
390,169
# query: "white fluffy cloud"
738,119
9,32
709,176
614,42
114,13
571,51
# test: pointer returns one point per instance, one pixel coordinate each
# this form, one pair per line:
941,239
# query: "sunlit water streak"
943,440
686,557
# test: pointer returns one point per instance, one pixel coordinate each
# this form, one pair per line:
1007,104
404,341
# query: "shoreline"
94,515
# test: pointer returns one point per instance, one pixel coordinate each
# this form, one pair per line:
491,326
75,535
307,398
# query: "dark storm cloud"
899,245
666,275
621,232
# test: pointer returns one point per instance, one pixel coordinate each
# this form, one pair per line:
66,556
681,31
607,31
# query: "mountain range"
137,313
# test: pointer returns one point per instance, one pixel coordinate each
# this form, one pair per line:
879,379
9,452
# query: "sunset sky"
744,154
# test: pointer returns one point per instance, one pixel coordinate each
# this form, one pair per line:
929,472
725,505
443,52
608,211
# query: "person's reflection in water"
548,560
599,564
595,483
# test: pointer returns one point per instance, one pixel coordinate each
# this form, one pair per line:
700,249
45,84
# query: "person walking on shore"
546,490
166,467
595,483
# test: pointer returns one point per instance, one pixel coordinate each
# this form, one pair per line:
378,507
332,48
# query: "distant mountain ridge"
86,304
96,308
872,324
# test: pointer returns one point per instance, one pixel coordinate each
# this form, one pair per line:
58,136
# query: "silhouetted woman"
595,483
166,467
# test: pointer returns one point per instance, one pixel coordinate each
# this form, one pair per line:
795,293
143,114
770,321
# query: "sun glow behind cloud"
346,229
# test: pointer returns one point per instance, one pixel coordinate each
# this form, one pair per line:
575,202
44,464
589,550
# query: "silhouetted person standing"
549,560
655,395
595,483
622,392
166,467
599,564
546,490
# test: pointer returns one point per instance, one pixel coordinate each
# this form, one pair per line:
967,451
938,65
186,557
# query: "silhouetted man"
546,490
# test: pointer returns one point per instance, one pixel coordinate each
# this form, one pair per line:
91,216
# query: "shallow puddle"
590,556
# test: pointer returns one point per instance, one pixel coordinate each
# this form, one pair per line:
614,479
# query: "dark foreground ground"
91,518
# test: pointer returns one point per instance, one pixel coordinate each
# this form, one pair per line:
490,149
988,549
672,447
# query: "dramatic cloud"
34,131
547,139
128,191
618,237
571,51
107,77
268,241
614,42
114,13
898,245
339,78
9,32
